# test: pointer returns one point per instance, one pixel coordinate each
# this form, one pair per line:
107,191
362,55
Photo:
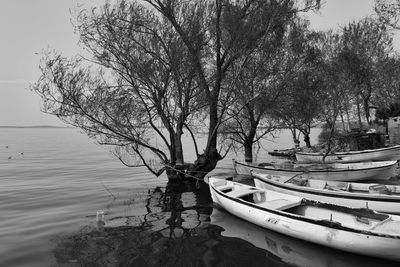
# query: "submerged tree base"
203,165
193,171
177,172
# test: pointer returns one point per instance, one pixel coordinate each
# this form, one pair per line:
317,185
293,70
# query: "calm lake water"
53,182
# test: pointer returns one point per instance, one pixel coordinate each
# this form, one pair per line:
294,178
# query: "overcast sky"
29,26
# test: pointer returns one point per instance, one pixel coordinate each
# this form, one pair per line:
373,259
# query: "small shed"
394,130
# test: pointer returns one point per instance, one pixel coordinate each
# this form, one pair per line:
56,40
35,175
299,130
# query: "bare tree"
363,45
335,90
256,90
142,95
161,63
300,104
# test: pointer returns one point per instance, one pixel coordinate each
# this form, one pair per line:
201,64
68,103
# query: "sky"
27,27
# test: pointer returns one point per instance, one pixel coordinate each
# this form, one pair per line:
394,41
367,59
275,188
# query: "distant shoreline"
35,126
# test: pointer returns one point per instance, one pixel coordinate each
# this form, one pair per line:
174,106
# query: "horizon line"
34,126
15,81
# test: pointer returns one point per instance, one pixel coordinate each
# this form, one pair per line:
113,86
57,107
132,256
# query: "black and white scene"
191,133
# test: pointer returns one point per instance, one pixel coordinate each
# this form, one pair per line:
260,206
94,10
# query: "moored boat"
379,154
359,171
360,231
292,251
289,153
379,197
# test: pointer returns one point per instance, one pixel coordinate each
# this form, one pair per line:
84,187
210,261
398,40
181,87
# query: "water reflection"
174,230
290,250
177,225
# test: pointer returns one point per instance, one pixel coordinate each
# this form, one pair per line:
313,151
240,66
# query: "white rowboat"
379,197
292,251
379,154
380,170
360,231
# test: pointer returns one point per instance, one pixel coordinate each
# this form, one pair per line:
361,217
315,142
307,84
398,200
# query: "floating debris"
100,218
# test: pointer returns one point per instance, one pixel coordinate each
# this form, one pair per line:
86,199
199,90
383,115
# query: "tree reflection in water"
174,231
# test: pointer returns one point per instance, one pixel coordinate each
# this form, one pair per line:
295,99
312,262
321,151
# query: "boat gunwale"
324,223
316,171
349,152
331,193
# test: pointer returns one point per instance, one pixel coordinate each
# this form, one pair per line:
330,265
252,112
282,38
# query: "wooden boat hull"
334,172
306,227
380,154
354,195
292,251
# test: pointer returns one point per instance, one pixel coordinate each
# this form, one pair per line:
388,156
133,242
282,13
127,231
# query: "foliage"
388,12
257,89
300,107
388,81
364,44
385,113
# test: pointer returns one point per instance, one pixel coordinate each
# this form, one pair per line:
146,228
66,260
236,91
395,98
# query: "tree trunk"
295,140
366,110
212,129
307,140
359,114
178,145
248,143
203,165
177,168
176,171
329,147
343,122
248,151
208,161
348,120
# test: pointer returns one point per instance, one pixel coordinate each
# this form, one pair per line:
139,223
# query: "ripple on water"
57,179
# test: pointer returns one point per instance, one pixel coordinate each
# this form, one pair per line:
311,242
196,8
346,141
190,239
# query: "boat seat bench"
259,197
243,192
225,188
223,185
279,204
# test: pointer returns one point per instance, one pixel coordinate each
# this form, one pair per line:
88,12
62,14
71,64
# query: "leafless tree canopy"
156,68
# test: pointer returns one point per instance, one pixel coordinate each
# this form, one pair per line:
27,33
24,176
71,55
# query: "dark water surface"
53,182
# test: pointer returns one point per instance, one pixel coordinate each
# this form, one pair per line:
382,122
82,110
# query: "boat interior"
298,166
348,186
321,213
372,188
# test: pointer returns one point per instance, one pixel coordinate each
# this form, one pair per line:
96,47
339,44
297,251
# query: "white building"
394,130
